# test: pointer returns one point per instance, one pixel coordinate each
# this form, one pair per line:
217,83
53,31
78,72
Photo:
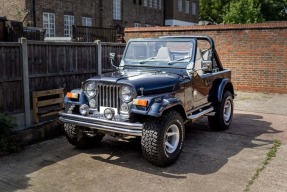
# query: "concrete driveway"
211,161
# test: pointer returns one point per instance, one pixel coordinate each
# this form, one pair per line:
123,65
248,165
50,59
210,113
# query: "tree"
274,10
243,11
213,10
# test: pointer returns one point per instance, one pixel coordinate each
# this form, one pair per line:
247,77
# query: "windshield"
158,52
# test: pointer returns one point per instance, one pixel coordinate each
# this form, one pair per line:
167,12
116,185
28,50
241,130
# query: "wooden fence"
51,65
11,86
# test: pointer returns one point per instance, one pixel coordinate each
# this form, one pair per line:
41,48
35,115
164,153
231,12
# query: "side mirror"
112,56
206,65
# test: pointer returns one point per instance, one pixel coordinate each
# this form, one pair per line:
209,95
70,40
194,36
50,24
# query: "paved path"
211,161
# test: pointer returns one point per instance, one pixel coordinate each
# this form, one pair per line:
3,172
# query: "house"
181,12
58,16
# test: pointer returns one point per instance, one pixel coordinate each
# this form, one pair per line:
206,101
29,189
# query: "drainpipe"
163,11
34,12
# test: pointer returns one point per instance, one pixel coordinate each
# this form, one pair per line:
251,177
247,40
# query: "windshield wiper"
180,59
147,60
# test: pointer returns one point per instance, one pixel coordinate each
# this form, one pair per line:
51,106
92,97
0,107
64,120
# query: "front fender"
82,99
157,105
158,108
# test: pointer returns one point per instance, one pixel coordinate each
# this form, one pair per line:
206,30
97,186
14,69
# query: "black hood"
153,82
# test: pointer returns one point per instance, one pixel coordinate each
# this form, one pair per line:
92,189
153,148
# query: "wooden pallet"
42,103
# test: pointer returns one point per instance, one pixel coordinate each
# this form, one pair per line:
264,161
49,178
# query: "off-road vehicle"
160,85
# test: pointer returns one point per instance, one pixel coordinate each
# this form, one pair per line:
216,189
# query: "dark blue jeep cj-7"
160,85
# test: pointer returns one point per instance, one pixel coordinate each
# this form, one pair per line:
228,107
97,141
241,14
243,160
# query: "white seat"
197,64
163,54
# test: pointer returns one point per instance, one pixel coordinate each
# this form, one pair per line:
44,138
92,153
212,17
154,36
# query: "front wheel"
223,113
163,138
79,139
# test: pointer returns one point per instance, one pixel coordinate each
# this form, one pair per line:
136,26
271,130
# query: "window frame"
150,2
179,5
47,25
187,7
117,9
87,21
69,21
155,4
194,8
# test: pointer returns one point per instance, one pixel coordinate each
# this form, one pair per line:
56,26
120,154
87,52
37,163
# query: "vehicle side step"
195,116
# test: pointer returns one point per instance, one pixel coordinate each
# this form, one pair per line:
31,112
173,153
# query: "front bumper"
134,129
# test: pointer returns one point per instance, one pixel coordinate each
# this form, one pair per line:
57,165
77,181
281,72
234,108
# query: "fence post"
99,55
24,48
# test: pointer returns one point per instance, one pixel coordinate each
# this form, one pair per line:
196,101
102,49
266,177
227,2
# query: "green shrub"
6,143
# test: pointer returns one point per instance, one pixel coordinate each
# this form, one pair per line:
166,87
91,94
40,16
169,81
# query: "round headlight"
109,113
124,108
84,109
90,89
93,103
126,94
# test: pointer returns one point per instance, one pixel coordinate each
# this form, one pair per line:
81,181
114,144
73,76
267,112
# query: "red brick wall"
256,53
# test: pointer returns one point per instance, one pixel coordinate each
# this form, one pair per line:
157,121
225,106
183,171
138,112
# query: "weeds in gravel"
272,153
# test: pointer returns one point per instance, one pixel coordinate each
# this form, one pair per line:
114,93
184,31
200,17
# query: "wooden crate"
45,103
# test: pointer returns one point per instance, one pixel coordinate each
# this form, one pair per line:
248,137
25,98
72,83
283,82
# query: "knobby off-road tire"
77,137
163,138
223,113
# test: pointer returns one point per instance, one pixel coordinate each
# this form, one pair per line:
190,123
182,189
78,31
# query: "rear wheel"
163,138
223,113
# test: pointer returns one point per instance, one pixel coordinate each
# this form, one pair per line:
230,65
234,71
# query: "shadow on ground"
205,151
15,168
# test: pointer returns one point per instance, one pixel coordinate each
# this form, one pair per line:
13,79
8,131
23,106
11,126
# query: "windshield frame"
160,63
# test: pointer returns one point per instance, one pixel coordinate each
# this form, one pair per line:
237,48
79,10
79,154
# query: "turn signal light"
72,95
140,102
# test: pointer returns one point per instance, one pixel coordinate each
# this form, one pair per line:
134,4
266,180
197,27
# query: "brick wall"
78,9
13,9
256,53
100,11
172,12
132,13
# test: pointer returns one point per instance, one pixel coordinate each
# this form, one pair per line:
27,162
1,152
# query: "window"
155,4
150,3
117,9
137,25
86,21
193,8
179,5
145,3
68,22
49,24
159,4
187,7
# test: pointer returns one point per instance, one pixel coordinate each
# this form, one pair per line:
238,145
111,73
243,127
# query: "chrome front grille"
108,95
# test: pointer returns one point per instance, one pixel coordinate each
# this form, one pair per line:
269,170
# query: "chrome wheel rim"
171,138
227,110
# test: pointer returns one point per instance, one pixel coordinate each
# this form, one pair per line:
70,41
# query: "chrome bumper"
126,128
